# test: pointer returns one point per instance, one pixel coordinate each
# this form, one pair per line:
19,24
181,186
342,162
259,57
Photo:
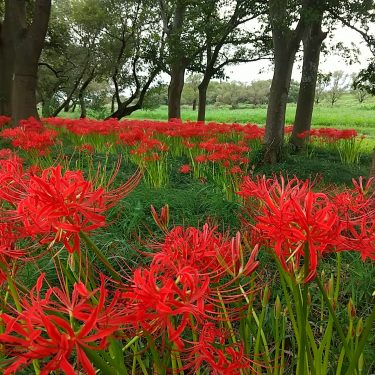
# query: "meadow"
155,247
347,112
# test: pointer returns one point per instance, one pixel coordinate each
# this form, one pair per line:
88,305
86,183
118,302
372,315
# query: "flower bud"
352,312
359,328
308,301
277,308
266,296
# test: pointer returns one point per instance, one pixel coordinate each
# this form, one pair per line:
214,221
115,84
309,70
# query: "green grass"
347,112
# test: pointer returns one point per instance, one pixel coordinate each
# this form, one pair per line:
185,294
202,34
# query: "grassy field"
347,112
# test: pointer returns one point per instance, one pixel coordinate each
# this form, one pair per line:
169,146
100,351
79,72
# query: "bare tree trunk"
285,44
6,65
178,61
67,106
202,99
82,104
28,43
312,44
274,135
81,94
24,88
113,103
175,88
125,109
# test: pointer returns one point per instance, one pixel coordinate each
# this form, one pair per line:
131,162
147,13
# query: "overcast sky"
251,71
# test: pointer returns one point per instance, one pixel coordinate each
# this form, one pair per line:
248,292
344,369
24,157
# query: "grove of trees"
70,54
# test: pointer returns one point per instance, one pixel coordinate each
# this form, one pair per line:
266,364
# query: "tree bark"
125,109
274,135
178,60
28,43
175,88
202,99
67,106
81,93
6,65
82,104
285,43
312,44
113,103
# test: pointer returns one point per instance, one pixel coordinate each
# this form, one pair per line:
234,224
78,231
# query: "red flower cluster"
329,134
4,120
31,135
192,277
54,324
54,206
298,222
186,286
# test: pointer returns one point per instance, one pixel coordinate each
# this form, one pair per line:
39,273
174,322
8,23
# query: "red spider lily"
211,350
13,180
292,218
236,170
51,327
212,256
86,147
361,238
161,299
185,168
329,134
31,135
58,206
200,158
4,120
357,203
161,220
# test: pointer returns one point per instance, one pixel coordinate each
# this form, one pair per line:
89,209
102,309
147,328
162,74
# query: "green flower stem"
366,332
301,366
130,343
139,360
227,319
100,255
283,277
259,332
195,339
282,360
342,352
335,320
263,336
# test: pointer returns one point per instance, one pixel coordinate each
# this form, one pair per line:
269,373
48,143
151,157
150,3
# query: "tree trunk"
24,86
113,103
175,88
202,100
285,45
194,106
27,42
275,123
6,65
312,44
67,106
178,62
81,94
82,104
